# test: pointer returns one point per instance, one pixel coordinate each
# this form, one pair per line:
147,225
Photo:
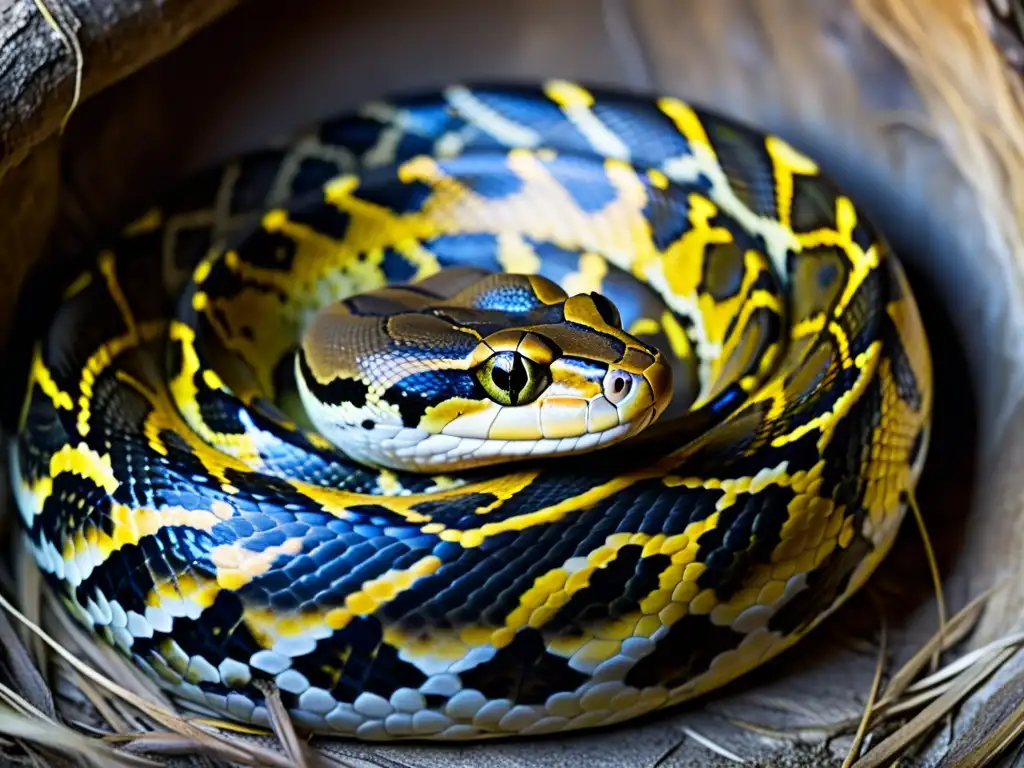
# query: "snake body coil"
178,469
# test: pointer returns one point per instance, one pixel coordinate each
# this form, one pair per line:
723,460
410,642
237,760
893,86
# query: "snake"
484,411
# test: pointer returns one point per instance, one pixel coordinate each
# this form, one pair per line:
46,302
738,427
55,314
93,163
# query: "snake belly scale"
478,563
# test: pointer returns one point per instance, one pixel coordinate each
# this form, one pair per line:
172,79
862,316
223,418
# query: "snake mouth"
556,424
581,410
488,433
417,450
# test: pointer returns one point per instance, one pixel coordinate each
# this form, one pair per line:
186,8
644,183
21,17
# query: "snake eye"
510,378
608,311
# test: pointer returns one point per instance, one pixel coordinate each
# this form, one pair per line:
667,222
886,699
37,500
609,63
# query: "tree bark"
116,38
38,72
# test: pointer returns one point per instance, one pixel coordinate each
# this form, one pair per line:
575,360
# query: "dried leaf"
210,742
67,741
895,744
990,732
282,724
955,630
23,673
870,703
718,749
933,569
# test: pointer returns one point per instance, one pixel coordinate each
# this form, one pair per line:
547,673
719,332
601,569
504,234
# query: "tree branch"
117,37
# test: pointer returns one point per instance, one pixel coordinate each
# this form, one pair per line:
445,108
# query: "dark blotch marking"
844,457
175,356
723,271
862,234
396,267
747,533
267,250
323,218
687,650
866,318
335,391
444,599
907,386
608,311
369,665
353,132
745,160
257,172
219,632
387,672
824,585
123,577
523,671
814,204
313,173
129,574
613,591
219,411
411,406
44,434
190,245
414,394
668,213
470,502
396,196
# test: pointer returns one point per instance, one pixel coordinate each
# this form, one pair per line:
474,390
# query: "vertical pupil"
518,378
509,373
499,373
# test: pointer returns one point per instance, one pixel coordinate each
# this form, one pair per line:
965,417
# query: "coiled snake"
363,416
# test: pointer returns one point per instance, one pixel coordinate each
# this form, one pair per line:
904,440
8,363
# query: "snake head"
509,367
580,381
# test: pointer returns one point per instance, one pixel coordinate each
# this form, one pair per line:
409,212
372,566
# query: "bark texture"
38,71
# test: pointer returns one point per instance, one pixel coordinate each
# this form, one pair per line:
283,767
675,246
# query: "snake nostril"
617,385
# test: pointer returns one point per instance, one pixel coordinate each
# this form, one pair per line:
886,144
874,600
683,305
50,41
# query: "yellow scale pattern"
619,235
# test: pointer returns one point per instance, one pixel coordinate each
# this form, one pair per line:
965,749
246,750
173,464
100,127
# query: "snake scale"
494,410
